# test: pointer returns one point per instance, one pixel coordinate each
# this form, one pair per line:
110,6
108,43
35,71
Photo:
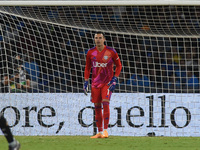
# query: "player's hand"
85,87
112,84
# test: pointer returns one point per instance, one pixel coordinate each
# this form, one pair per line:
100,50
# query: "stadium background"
57,53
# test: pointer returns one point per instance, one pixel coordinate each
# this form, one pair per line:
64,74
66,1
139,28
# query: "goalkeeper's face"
99,40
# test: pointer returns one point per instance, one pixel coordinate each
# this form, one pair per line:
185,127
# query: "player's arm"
118,65
118,69
87,73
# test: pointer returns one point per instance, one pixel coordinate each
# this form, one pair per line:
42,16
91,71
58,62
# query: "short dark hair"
99,32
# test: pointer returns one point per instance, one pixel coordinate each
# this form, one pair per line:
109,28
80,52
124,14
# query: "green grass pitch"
111,143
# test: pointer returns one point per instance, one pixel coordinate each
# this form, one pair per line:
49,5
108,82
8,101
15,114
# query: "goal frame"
101,3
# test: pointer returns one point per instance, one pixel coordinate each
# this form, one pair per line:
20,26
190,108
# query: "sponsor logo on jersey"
105,57
97,64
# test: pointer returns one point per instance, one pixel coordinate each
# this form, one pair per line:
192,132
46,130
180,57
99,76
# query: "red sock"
98,118
106,114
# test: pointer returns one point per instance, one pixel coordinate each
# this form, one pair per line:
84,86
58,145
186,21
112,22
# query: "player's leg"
13,144
106,95
96,99
106,116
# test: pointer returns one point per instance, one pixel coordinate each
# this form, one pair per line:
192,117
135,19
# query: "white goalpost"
43,46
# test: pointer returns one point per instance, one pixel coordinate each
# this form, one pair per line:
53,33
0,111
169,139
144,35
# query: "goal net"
43,51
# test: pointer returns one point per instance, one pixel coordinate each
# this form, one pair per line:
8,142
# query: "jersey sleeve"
87,67
118,65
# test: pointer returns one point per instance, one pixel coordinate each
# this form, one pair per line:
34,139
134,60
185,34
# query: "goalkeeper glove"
112,84
85,88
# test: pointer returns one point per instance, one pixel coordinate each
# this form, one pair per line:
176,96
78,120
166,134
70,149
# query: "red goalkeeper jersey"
102,65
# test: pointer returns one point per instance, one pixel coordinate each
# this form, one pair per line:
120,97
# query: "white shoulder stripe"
117,58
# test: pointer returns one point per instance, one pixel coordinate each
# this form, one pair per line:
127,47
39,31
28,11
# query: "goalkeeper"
101,59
